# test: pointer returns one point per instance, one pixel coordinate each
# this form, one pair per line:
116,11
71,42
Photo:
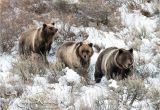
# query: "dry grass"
22,14
154,96
4,104
38,101
131,91
55,72
17,16
9,92
128,92
133,6
26,69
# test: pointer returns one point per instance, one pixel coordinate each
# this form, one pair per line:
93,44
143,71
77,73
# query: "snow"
104,39
89,95
5,65
113,84
69,92
40,81
69,1
72,1
144,105
148,7
149,68
154,82
70,77
140,21
146,45
5,62
15,104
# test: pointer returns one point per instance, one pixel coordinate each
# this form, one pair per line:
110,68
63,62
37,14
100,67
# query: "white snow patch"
149,68
113,84
150,7
16,105
90,95
71,77
146,46
5,62
104,39
140,21
72,1
63,94
154,82
40,81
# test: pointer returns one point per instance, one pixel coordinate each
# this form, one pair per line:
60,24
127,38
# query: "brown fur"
76,56
114,63
37,41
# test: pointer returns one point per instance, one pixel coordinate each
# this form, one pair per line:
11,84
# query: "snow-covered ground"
70,93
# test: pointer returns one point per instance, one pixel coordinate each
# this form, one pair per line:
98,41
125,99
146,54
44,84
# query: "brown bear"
76,55
37,41
115,63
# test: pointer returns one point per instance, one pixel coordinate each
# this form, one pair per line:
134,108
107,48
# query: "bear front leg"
49,48
45,60
98,75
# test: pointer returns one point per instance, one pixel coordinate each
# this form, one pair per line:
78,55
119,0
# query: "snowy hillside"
24,85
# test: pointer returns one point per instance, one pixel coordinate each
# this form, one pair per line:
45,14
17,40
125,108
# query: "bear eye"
83,51
87,51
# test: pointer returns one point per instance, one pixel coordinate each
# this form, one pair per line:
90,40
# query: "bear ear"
90,44
53,23
80,43
131,50
44,25
120,51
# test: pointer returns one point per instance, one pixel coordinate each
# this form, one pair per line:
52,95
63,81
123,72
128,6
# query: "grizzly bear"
76,55
114,63
37,41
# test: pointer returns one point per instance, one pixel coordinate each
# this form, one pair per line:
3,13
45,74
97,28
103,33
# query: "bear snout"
56,30
128,65
86,58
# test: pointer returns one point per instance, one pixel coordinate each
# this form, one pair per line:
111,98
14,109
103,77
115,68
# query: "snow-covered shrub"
89,13
34,6
100,13
8,93
64,7
132,5
8,90
7,32
128,92
4,104
154,97
55,72
26,69
37,101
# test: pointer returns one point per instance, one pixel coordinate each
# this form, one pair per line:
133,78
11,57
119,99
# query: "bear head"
124,58
49,29
85,51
